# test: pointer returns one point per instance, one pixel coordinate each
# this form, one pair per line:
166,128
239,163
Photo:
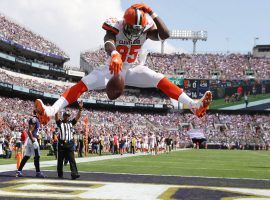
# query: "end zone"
129,186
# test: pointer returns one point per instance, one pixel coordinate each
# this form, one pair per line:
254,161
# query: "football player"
32,147
145,145
123,40
152,143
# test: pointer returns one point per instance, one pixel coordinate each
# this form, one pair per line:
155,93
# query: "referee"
66,142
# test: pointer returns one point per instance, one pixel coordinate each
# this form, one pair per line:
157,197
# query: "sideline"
52,163
243,105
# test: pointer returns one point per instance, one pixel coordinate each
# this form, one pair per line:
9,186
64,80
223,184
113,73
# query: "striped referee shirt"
65,129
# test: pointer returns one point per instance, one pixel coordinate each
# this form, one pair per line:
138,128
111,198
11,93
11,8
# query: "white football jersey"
145,139
128,49
152,138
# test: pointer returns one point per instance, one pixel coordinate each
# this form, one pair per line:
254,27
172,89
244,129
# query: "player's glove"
142,6
116,63
35,145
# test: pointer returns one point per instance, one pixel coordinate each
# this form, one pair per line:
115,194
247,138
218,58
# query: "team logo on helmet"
134,23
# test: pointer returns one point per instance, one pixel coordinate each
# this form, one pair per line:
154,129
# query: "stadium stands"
198,66
58,87
222,129
18,34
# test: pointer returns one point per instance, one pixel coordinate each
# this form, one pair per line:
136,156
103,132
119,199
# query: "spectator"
254,90
133,144
101,143
246,100
240,91
115,144
55,137
81,144
7,147
2,140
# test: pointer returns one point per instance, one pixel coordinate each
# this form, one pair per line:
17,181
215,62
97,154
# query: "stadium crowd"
197,65
114,131
134,96
17,33
95,58
194,66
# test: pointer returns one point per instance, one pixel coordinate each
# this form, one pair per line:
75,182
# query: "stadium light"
255,41
187,35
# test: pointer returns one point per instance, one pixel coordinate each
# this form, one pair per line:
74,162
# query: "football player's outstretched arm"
30,132
57,117
79,114
162,32
109,45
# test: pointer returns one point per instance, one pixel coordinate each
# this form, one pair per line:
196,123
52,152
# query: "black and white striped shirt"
66,130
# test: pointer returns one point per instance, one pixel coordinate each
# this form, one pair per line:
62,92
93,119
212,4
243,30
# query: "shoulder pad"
112,24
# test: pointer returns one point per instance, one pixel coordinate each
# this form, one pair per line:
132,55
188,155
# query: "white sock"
57,106
185,99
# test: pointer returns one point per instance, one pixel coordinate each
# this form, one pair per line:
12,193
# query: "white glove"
35,145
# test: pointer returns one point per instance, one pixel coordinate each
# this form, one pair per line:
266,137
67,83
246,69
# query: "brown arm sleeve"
162,32
109,42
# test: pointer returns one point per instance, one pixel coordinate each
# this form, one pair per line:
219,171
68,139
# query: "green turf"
216,104
210,163
12,160
43,157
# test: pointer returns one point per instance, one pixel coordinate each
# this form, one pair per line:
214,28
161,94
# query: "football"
115,87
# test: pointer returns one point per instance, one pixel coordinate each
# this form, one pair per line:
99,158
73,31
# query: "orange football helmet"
134,22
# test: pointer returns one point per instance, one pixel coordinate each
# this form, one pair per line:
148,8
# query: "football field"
188,174
221,104
207,163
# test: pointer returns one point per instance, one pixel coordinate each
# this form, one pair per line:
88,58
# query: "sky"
75,25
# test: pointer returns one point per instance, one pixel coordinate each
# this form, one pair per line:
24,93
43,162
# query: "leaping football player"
123,40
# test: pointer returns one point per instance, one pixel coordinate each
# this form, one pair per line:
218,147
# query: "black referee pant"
65,150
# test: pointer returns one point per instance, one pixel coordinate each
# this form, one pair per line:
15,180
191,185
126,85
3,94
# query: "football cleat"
40,175
73,177
41,114
19,174
201,106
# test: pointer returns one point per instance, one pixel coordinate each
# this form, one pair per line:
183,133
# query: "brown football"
115,87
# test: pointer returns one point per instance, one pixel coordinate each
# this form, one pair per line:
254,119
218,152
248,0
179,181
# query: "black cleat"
73,177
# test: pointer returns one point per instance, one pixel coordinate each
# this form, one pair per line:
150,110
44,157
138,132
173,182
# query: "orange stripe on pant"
19,159
169,88
74,92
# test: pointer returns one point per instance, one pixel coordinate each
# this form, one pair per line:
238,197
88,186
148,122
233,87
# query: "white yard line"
243,105
161,175
51,163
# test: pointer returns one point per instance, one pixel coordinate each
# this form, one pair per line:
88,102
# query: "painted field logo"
205,193
49,189
67,189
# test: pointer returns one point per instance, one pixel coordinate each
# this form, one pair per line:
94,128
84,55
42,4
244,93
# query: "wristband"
108,41
153,15
114,52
